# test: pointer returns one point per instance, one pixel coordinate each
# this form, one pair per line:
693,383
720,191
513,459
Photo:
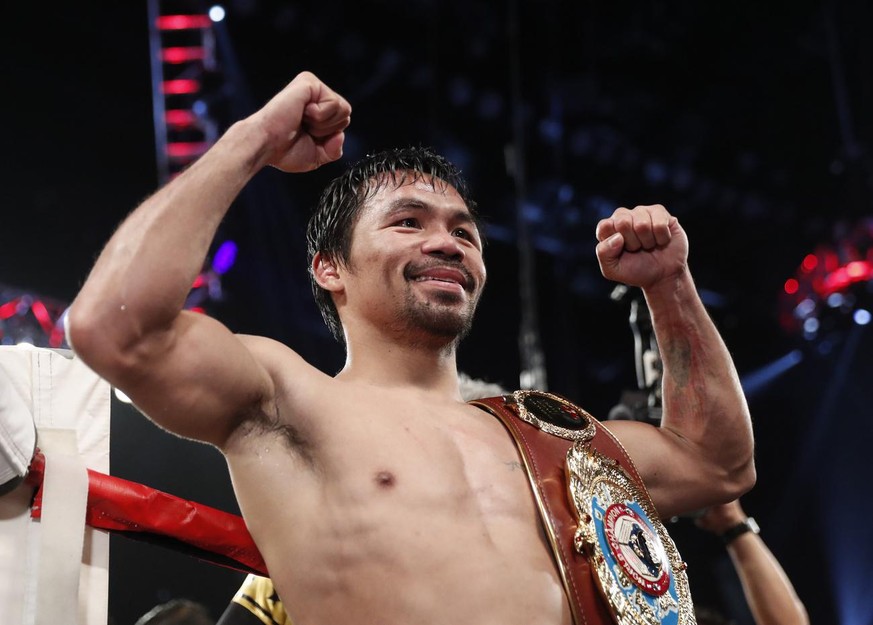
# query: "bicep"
197,379
674,469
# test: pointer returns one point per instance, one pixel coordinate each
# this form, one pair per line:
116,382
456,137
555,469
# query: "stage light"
200,108
217,13
224,257
861,317
804,309
758,380
181,86
832,287
182,22
28,318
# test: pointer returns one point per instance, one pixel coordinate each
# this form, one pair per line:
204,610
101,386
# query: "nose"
442,243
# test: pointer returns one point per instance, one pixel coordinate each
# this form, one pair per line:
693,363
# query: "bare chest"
409,497
463,457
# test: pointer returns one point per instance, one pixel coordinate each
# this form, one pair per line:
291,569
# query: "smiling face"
415,267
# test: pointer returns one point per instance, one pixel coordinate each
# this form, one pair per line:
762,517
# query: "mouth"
442,274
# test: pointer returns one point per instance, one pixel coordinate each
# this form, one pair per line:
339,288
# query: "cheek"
481,271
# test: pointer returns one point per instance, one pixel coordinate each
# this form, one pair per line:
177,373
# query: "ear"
326,275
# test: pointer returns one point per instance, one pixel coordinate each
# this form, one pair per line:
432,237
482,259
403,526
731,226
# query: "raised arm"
768,591
186,371
703,451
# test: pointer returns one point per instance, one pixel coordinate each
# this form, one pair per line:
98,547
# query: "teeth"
425,279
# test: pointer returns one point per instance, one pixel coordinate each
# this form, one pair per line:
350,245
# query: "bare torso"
393,510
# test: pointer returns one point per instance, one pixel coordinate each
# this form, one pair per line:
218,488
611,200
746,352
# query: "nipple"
385,479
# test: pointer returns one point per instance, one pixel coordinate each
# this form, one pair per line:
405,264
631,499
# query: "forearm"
143,275
769,593
702,398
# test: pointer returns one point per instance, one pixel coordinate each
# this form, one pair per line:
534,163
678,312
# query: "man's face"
415,262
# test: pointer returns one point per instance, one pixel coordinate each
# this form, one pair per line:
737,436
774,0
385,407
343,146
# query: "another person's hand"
304,125
641,247
769,593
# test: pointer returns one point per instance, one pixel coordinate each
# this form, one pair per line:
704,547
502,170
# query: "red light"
183,22
42,315
182,54
180,118
858,270
9,308
836,281
56,338
791,286
198,282
181,86
809,263
198,309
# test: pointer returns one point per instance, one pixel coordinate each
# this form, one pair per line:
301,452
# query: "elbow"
740,479
100,344
744,473
84,336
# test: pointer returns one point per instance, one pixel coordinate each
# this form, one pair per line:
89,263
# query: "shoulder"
285,367
294,405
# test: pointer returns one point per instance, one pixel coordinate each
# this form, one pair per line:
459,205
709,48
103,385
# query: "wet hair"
330,228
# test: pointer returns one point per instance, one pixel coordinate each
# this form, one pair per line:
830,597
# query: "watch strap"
734,532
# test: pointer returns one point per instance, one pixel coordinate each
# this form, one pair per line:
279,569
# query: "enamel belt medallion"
634,560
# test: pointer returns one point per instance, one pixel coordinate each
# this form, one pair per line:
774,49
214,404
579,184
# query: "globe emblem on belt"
636,549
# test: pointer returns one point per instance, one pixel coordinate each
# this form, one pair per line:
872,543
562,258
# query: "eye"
463,233
408,222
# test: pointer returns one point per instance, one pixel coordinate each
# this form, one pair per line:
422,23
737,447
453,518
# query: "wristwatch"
732,533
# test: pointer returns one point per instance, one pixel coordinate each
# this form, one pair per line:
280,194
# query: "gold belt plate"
635,562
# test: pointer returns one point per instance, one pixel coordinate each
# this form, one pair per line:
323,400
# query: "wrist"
746,526
676,282
248,138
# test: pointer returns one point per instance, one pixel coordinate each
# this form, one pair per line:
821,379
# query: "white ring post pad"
17,434
69,406
62,534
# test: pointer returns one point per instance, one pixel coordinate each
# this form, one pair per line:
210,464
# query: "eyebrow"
400,205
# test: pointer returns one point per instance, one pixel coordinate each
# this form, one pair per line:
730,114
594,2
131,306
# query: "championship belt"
617,562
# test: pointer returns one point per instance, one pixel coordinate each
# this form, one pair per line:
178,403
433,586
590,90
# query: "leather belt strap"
544,457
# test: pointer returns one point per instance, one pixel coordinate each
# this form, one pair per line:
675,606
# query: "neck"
428,364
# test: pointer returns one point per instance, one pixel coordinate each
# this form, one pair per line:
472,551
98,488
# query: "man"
769,593
377,495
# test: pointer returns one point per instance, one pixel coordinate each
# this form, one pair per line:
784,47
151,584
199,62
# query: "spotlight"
861,317
217,13
832,287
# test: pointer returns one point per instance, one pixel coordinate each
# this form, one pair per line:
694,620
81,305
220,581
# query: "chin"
445,322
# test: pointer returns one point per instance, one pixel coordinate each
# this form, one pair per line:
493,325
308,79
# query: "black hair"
330,228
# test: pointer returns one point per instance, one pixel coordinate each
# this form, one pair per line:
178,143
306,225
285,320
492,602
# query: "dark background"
751,121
